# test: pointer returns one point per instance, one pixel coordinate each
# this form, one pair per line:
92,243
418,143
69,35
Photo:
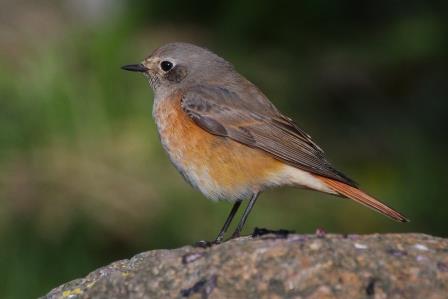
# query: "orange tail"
362,198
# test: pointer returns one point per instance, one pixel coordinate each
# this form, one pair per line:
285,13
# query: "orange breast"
219,167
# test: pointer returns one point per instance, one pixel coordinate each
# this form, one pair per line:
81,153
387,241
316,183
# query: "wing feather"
223,113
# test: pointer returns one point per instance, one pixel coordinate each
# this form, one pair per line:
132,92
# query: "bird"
228,140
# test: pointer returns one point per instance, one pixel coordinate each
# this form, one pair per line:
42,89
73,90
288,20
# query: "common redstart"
228,140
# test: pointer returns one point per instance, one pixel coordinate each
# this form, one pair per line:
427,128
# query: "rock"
285,266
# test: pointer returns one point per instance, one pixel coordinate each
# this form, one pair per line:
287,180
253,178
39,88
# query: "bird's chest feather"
219,167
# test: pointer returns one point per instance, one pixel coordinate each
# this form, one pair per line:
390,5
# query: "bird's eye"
166,65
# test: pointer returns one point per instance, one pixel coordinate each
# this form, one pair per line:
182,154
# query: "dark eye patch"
177,74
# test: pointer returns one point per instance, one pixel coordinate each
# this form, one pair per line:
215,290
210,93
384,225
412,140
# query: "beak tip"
135,68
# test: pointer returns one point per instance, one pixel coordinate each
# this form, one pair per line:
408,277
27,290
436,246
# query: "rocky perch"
278,266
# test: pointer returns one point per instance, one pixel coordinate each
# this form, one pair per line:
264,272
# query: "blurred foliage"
83,178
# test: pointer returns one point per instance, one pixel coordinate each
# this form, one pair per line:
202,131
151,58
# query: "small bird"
228,140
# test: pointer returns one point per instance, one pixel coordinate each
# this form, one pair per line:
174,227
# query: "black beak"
135,68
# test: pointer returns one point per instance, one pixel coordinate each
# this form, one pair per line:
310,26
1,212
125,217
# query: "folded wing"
222,112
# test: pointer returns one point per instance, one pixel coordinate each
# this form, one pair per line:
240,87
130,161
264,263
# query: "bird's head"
177,64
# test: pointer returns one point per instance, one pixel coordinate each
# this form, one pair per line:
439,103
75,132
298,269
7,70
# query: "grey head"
176,65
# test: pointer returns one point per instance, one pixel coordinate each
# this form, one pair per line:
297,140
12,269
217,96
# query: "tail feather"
363,198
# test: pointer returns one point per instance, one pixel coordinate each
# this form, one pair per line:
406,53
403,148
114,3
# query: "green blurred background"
84,180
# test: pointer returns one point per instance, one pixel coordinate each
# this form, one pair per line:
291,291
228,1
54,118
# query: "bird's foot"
206,244
279,233
234,236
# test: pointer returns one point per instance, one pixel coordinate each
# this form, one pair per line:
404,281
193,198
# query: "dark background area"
84,180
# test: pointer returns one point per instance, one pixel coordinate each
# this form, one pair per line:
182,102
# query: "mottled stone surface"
299,266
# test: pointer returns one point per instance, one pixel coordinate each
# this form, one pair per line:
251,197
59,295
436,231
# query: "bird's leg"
224,228
246,213
229,219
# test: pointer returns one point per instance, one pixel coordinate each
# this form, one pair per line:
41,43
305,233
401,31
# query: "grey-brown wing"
221,112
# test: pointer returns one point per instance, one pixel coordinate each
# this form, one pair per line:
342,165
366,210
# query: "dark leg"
224,228
229,219
249,207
